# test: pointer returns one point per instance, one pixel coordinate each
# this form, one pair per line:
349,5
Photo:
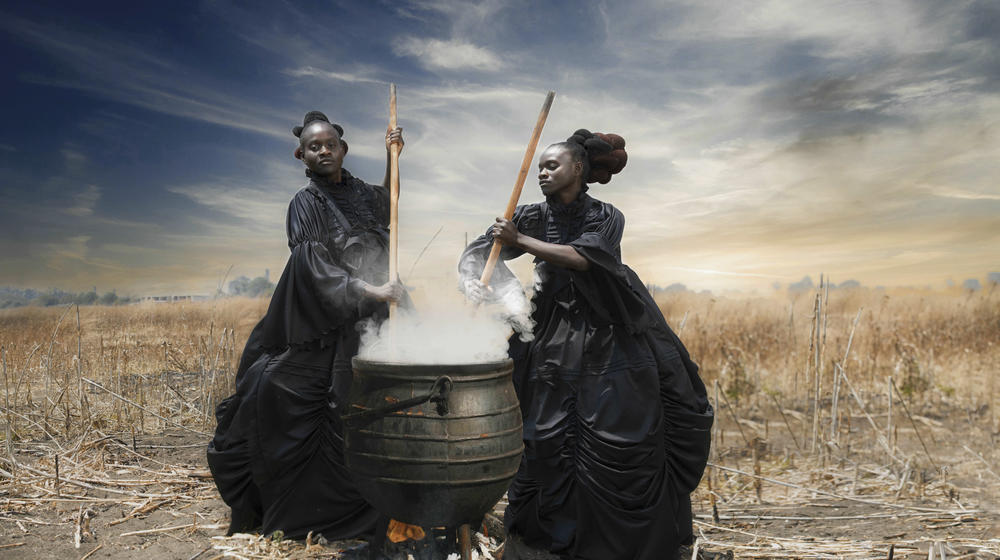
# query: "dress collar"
345,178
574,209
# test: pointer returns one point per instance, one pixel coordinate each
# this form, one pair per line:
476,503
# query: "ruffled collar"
345,179
571,211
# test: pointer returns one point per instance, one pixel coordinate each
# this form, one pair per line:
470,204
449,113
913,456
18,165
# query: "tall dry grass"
67,370
151,366
927,340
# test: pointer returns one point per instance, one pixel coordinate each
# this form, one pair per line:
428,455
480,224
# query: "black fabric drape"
616,419
277,454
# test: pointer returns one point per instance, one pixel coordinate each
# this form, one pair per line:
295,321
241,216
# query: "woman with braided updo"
616,420
277,456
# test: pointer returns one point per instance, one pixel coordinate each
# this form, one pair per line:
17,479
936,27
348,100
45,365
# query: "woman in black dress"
616,420
277,455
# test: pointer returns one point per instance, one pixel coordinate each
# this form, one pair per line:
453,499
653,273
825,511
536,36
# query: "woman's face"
321,150
557,171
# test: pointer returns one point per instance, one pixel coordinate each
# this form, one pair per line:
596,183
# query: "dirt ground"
164,506
844,529
850,498
44,526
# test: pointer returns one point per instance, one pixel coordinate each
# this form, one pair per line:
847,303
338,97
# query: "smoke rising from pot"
449,332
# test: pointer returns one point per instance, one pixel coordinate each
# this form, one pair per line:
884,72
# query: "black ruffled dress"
616,420
277,455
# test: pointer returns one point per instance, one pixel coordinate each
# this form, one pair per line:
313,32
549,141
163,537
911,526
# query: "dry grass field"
850,424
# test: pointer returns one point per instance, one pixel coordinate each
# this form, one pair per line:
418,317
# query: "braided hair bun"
317,116
606,154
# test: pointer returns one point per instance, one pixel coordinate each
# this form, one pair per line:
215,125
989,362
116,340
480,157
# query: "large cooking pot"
433,445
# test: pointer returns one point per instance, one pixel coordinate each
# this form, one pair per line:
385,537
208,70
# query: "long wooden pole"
393,199
529,154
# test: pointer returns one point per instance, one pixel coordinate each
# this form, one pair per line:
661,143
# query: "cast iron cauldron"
433,445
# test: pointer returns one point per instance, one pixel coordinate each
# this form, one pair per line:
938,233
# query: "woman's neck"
569,195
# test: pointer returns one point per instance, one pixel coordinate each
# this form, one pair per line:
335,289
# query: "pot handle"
438,393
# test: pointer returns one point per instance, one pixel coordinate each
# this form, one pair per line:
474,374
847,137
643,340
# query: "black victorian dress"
616,419
277,455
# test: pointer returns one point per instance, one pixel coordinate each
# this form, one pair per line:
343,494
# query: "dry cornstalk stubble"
106,413
878,469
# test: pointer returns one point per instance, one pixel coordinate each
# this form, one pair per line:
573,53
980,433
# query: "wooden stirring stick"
393,199
491,262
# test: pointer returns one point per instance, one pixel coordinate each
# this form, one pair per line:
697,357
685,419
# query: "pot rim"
365,365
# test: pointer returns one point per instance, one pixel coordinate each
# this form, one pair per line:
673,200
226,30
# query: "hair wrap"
606,154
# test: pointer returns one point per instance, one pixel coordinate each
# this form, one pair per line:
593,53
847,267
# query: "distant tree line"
257,287
969,284
261,286
16,297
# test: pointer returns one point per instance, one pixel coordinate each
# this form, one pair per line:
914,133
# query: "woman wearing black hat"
616,420
277,455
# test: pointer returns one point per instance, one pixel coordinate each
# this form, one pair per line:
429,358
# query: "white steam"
449,331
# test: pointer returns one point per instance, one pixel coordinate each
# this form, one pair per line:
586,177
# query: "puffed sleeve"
608,285
601,238
527,218
315,294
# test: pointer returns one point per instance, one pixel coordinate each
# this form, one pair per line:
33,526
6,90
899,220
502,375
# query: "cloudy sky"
145,147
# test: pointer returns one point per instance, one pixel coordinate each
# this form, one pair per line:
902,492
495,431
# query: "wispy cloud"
257,202
123,71
73,157
452,54
945,192
84,201
70,249
348,77
727,273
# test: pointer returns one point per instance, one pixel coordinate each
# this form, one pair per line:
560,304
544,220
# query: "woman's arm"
392,290
561,255
318,268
